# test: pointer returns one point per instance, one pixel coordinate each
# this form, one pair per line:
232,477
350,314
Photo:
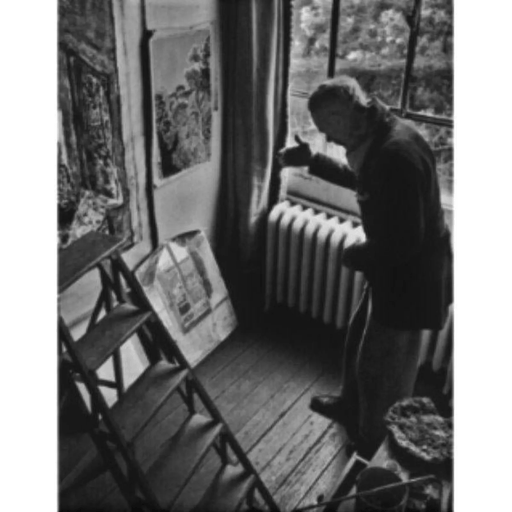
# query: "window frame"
402,110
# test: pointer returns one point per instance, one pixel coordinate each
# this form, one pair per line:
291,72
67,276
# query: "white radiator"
303,267
304,272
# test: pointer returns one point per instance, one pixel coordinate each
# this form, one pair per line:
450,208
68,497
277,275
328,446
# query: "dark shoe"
335,408
327,405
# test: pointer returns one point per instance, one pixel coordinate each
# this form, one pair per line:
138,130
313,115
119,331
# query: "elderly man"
406,258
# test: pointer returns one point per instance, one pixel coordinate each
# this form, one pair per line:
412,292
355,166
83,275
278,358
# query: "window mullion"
414,24
333,38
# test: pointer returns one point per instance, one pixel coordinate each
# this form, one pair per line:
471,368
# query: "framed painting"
181,90
92,183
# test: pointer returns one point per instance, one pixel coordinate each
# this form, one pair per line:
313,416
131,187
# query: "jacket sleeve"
331,170
397,210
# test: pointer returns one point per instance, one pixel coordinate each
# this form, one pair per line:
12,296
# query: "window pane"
432,84
310,43
432,80
301,124
372,45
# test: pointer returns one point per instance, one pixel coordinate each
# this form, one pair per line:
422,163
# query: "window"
399,50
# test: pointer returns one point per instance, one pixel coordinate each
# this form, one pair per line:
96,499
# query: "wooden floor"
262,379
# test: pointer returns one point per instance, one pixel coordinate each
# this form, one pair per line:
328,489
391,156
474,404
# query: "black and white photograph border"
483,273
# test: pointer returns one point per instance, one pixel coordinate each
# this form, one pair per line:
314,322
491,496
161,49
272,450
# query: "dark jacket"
407,257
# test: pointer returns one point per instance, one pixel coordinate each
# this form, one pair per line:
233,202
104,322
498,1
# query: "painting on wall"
91,195
182,101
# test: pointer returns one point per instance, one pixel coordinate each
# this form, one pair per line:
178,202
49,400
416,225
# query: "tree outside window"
399,50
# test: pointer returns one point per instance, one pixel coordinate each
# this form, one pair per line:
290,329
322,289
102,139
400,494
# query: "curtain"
255,40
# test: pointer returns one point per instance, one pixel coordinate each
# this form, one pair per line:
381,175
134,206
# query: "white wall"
189,199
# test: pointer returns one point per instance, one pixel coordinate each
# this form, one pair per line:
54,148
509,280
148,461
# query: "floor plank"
276,406
289,423
264,381
327,482
223,379
221,358
300,483
262,402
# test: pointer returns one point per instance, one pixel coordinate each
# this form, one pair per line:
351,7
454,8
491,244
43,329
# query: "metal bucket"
390,500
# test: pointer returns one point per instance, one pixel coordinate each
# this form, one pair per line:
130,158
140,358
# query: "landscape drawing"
181,84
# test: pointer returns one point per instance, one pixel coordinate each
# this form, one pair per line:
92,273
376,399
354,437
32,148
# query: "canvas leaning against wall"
182,281
182,101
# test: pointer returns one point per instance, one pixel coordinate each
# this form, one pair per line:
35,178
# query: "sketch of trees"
184,115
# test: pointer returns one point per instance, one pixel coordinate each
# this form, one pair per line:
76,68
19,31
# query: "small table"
384,457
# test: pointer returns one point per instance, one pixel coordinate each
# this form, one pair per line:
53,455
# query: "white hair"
342,88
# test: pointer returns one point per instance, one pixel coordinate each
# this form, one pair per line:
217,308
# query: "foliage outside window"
399,50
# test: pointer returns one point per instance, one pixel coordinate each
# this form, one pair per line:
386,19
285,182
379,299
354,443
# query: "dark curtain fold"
255,41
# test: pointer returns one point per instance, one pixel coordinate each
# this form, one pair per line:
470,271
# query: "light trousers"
380,367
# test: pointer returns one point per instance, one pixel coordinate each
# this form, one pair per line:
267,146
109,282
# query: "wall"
186,201
87,27
189,199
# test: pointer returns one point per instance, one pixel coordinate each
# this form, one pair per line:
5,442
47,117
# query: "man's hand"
296,156
349,257
353,256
